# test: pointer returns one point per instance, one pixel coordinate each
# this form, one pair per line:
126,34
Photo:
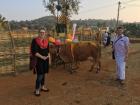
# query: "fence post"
13,49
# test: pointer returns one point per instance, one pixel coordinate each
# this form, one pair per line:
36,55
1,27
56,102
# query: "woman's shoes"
37,93
44,89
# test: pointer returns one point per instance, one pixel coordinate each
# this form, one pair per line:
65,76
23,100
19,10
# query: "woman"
40,50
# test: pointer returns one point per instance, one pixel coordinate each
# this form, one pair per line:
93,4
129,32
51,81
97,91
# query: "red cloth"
43,43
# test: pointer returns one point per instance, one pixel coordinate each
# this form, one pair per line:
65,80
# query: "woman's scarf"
43,43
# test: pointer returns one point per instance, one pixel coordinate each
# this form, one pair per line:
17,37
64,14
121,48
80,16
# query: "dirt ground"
80,88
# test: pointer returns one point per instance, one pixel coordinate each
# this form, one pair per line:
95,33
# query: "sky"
89,9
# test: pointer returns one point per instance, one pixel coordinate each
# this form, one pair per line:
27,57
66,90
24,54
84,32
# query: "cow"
76,52
54,56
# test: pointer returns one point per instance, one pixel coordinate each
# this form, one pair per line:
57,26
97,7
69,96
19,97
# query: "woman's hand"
42,57
45,57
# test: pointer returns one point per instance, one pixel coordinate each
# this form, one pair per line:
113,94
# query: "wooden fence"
14,50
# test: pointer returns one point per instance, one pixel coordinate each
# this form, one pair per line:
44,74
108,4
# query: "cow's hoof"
74,68
90,70
97,71
73,71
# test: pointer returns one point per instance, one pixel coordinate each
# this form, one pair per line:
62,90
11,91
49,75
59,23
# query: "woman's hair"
42,28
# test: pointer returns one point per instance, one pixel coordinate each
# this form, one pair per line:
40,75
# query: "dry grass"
81,88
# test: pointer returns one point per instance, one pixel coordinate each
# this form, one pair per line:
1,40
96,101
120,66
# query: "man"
108,39
120,47
113,37
105,35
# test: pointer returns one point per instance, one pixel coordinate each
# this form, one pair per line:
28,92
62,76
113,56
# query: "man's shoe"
122,82
117,79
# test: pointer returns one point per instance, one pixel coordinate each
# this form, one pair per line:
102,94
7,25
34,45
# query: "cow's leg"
70,69
98,67
75,66
52,60
93,65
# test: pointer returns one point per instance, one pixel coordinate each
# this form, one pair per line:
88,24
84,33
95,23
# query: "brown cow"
55,59
77,52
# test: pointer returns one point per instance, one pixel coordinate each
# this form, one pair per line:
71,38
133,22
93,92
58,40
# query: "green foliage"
132,29
3,23
48,21
67,7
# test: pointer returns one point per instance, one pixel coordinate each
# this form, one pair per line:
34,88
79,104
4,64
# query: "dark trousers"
40,80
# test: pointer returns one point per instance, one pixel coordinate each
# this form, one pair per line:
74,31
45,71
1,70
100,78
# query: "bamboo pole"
13,49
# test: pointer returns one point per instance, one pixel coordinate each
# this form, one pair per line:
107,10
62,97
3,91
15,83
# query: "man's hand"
126,58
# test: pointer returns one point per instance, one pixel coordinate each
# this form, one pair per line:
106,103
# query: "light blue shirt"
121,46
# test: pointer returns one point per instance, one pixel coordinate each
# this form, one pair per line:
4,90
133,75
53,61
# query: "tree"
62,10
3,23
132,29
67,7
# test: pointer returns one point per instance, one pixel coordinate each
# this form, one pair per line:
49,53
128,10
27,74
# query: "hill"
50,22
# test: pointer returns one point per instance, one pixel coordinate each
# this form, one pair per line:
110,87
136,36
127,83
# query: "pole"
58,9
57,24
118,13
13,49
66,14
